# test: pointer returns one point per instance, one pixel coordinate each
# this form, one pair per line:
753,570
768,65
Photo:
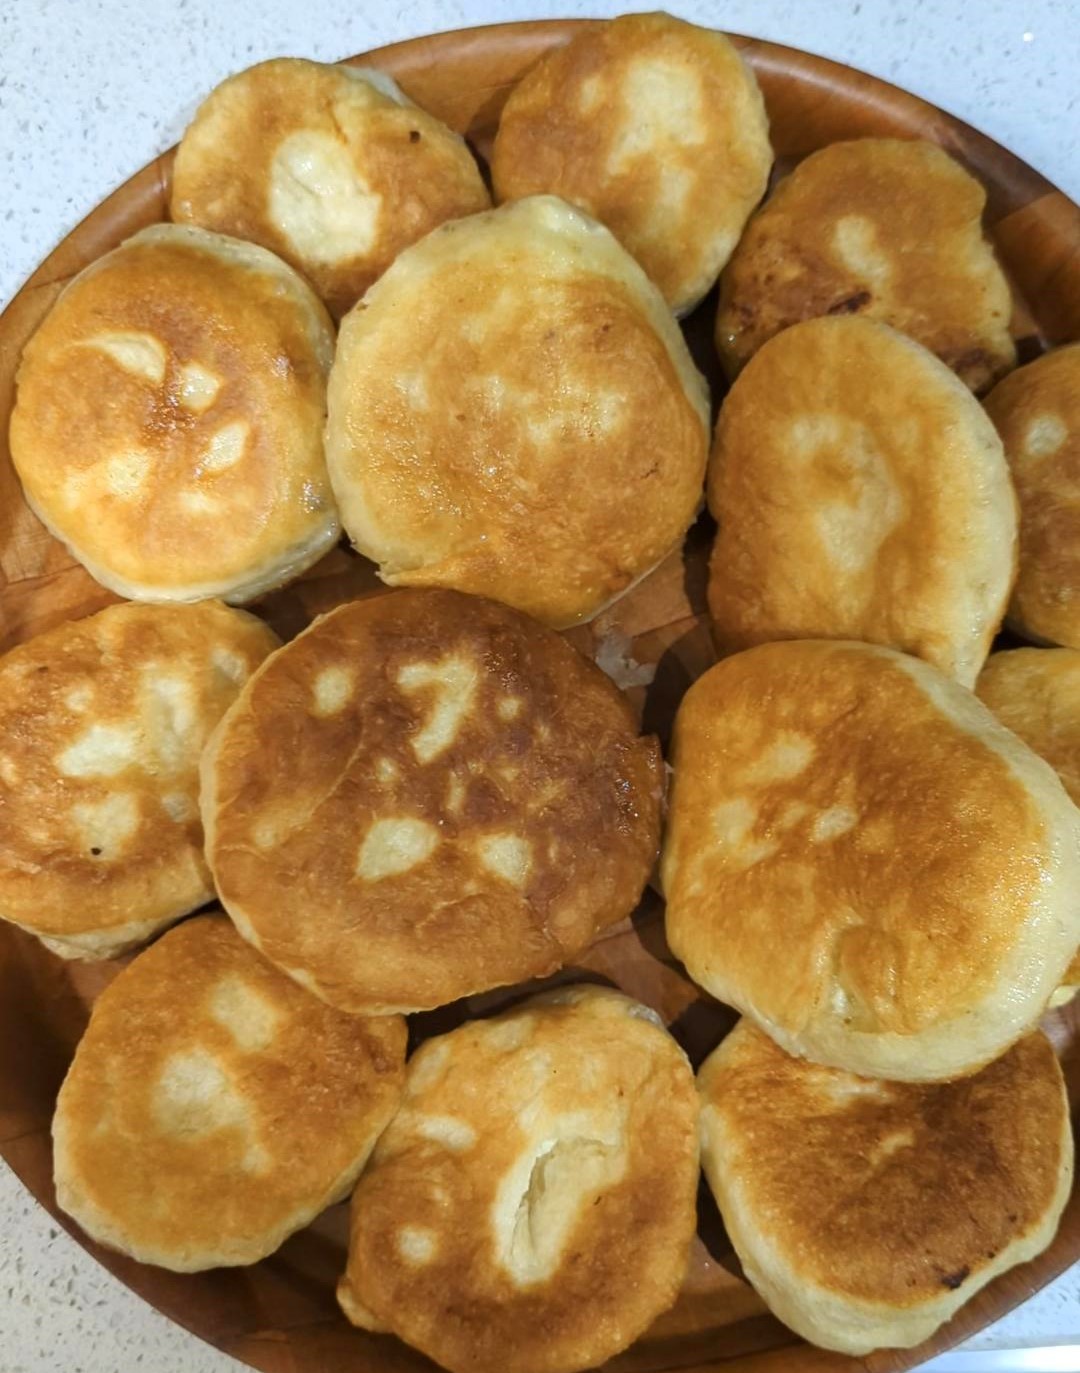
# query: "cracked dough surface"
531,1206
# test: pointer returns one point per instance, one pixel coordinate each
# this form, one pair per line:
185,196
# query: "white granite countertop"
92,89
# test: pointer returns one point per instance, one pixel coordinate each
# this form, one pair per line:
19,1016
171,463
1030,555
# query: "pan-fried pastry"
331,167
653,126
1035,692
859,857
866,1213
426,795
203,474
882,227
514,412
213,1107
1037,413
862,493
102,723
531,1206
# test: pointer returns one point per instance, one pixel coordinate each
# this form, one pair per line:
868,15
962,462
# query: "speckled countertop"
91,89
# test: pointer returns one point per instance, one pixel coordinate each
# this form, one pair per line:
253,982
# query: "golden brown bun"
866,1213
653,126
1035,692
530,1209
862,494
330,167
514,412
204,474
213,1107
426,795
102,722
1037,413
863,860
883,227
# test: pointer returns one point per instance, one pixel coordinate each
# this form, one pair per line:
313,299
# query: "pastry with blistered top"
102,724
331,167
426,795
866,1213
653,126
169,414
861,493
531,1206
513,412
887,228
213,1107
1037,413
859,857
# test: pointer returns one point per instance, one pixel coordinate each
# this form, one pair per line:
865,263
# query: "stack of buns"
872,841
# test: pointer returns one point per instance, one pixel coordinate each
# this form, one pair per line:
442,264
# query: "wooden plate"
280,1315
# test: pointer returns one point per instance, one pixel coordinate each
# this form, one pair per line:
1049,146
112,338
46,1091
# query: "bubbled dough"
885,228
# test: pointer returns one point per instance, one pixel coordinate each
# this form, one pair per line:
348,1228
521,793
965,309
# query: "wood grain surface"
280,1315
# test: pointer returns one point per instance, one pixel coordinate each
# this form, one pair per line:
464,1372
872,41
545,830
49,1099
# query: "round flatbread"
331,167
1035,692
426,795
653,126
867,1213
514,412
861,493
887,228
530,1209
213,1107
1037,413
102,724
859,857
203,474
